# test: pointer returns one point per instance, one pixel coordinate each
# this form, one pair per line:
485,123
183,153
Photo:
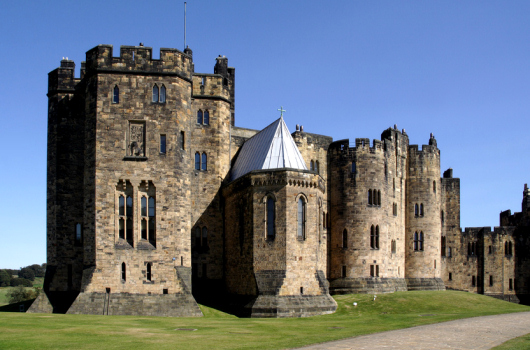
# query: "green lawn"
520,343
218,330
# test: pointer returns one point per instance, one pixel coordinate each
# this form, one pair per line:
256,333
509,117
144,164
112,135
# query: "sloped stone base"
41,305
291,305
367,285
425,284
171,305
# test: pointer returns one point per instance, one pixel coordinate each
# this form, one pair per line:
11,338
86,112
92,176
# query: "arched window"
162,98
421,209
148,272
416,209
116,95
416,241
369,197
206,120
271,217
353,168
374,195
199,117
379,197
123,272
434,186
152,220
197,161
317,167
301,218
204,241
204,165
155,93
345,239
311,165
420,241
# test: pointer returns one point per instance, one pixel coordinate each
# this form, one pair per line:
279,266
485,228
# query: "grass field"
218,330
520,343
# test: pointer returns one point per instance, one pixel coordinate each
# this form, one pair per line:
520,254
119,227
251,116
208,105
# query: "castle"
153,195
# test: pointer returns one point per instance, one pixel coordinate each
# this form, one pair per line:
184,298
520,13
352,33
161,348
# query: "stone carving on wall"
136,144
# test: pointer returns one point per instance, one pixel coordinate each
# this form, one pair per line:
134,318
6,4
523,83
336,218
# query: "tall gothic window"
155,93
421,209
152,220
301,218
271,215
370,197
206,120
416,212
143,203
197,161
199,117
204,162
162,97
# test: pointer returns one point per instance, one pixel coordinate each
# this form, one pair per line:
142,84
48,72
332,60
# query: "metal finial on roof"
281,111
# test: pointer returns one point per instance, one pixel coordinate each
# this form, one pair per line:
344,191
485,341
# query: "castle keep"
154,195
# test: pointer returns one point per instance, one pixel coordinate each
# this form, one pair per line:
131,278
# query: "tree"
18,294
21,282
27,273
5,278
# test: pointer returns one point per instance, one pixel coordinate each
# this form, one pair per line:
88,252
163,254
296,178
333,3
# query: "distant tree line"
23,277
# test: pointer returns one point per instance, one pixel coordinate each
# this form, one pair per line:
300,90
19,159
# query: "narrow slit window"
182,140
148,272
416,209
116,95
271,214
123,272
345,239
152,220
78,233
163,144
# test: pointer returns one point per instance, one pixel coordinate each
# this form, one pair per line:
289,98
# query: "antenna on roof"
185,25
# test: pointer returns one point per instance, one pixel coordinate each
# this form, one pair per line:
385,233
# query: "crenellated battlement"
62,79
205,85
140,59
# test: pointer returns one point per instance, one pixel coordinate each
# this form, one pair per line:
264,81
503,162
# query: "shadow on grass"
211,294
23,306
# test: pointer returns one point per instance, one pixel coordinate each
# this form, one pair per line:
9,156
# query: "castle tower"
275,250
367,201
423,222
212,118
128,185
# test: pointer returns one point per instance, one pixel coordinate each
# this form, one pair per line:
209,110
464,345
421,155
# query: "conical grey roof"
271,148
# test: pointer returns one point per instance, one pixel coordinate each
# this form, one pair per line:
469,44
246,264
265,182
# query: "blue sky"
347,69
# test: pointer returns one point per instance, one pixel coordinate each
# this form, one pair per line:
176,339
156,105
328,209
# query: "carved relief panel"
136,139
